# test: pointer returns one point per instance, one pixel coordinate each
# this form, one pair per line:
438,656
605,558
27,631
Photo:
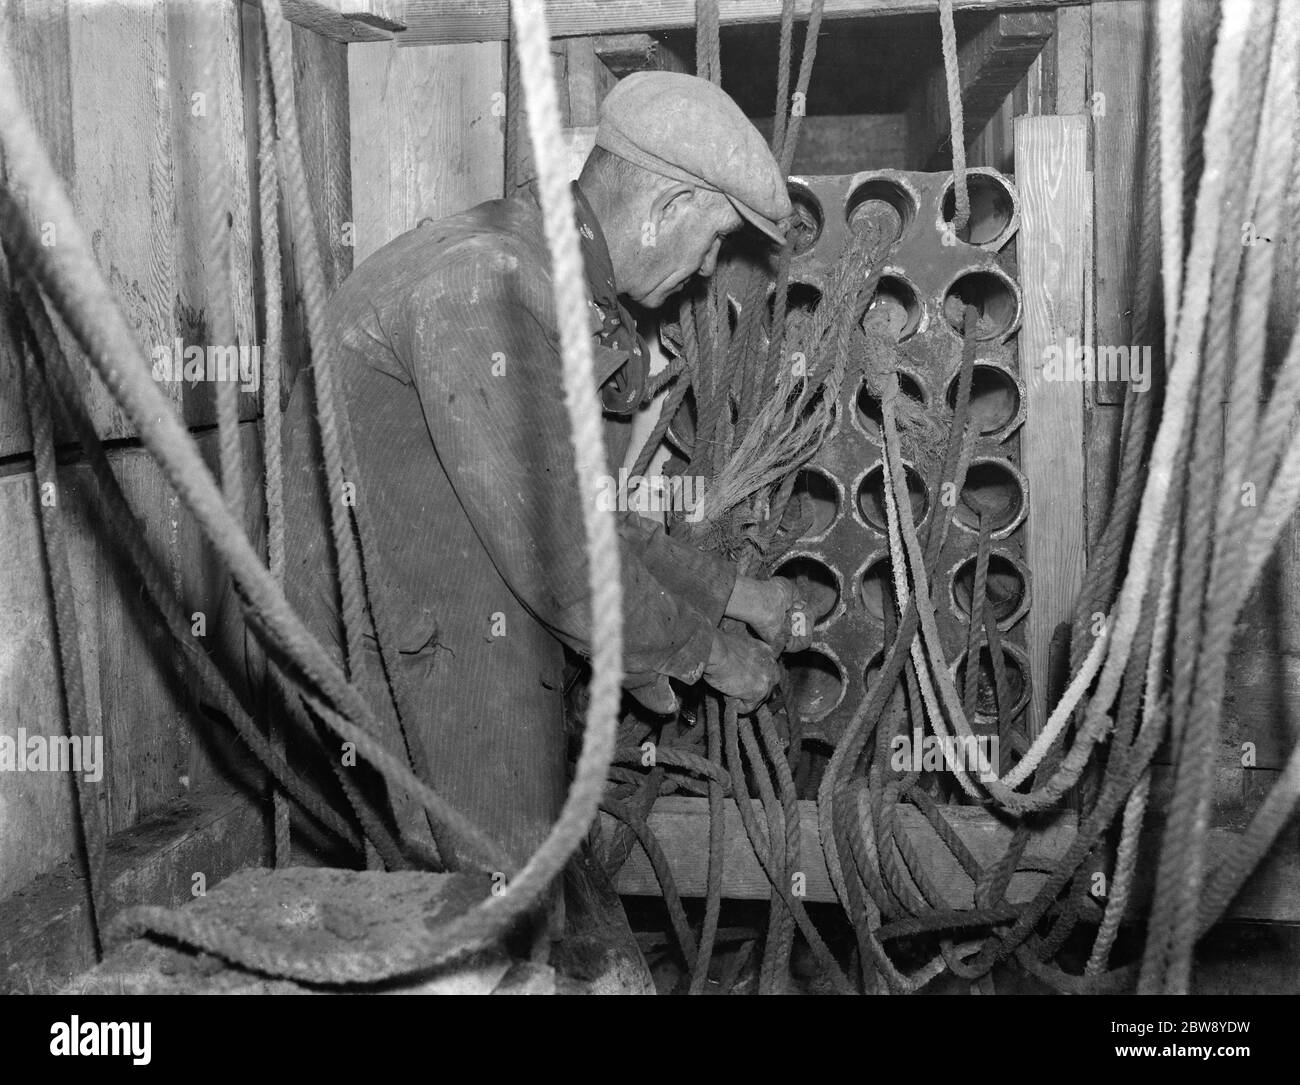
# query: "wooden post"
1055,202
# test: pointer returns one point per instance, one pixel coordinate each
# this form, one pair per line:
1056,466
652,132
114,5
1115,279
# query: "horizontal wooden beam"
344,20
627,53
45,936
682,827
429,21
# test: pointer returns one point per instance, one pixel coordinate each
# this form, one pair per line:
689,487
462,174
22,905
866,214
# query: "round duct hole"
896,304
986,696
1004,588
814,496
994,299
876,587
995,488
816,683
806,225
801,302
879,211
814,583
994,398
870,413
871,497
992,210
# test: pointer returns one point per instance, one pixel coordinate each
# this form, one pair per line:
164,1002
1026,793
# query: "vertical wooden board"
1119,80
427,134
321,85
196,109
1072,55
321,98
1051,156
123,204
34,36
36,827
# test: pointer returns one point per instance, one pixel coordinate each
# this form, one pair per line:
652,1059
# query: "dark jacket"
446,350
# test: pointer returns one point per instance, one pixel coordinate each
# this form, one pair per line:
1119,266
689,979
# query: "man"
447,353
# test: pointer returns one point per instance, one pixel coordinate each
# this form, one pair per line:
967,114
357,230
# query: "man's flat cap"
686,128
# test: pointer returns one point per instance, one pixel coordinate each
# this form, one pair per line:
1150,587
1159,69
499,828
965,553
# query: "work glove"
786,621
742,667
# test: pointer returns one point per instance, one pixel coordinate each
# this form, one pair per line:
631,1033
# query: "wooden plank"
682,827
124,137
588,82
1119,79
342,20
34,35
1071,59
410,161
990,65
1051,155
441,21
133,698
45,936
1261,704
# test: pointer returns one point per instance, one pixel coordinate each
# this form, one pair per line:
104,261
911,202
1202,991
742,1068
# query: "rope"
801,85
1182,850
92,813
221,317
663,873
956,120
330,412
116,513
717,839
781,114
268,182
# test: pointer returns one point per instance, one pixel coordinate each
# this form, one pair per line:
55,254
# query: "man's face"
680,237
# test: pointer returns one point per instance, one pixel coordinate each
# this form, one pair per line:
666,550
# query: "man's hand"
742,667
770,609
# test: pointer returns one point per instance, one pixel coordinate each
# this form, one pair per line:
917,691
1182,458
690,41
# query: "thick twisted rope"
956,118
92,813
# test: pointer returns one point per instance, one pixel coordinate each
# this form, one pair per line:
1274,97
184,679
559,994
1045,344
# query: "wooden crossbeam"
430,21
626,53
682,827
990,65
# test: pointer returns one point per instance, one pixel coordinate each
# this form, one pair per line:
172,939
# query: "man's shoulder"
498,238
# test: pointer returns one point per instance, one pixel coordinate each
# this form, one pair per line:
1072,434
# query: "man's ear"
671,202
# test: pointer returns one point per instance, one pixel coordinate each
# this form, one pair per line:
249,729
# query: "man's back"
464,653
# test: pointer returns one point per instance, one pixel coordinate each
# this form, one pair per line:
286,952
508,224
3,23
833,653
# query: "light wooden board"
1051,155
682,827
487,20
411,160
